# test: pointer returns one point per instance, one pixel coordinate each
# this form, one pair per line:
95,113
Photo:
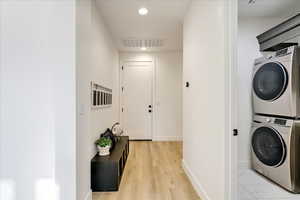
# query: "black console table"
107,171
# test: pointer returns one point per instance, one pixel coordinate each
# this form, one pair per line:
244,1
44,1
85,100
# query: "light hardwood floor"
153,172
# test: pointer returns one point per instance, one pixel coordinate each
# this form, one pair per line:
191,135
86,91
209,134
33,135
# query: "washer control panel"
281,122
273,120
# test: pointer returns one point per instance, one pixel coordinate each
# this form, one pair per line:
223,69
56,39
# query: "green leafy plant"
103,142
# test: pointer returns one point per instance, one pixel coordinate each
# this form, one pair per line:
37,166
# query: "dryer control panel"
282,52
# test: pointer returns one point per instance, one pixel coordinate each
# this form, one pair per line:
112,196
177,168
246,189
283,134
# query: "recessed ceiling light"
143,11
143,48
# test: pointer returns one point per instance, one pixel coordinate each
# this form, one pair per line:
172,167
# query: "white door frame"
151,62
231,141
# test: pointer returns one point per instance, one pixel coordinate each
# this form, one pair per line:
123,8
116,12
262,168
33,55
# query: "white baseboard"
197,186
167,138
244,165
88,196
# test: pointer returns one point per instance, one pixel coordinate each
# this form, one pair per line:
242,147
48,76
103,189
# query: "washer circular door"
268,146
270,81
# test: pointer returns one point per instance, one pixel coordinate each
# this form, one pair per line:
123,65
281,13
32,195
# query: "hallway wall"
205,102
168,92
38,111
97,61
168,96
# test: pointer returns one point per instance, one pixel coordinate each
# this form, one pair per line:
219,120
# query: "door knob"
149,111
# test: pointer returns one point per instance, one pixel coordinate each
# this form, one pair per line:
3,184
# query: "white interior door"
136,102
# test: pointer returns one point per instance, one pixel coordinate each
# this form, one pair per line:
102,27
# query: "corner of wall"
195,183
89,195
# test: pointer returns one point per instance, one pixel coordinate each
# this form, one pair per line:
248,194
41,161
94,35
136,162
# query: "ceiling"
269,8
163,22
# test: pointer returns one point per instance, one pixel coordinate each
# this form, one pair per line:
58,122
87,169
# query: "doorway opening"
138,48
137,53
263,144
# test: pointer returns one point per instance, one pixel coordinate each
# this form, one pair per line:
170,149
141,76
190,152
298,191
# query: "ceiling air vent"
139,43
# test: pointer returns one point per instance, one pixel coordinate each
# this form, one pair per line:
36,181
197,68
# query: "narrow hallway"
72,69
153,172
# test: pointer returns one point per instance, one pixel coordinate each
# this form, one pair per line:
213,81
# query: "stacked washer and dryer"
276,123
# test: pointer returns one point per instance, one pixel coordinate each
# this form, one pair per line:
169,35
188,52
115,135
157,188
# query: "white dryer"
275,150
276,83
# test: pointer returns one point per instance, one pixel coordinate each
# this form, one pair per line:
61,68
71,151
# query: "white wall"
37,135
168,92
97,60
205,101
248,51
168,96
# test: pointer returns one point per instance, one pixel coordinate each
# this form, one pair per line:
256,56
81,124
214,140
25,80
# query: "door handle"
150,106
150,111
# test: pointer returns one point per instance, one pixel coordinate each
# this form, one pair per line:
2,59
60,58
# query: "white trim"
89,195
197,186
167,138
231,163
154,98
136,57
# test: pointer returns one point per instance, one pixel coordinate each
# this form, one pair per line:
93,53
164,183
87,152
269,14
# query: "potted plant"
103,145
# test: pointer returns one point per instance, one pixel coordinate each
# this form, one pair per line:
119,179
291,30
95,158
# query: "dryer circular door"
270,81
268,146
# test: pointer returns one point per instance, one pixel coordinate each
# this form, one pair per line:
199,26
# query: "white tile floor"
253,186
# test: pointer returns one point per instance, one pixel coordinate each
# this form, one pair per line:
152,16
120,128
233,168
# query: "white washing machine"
276,150
276,83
